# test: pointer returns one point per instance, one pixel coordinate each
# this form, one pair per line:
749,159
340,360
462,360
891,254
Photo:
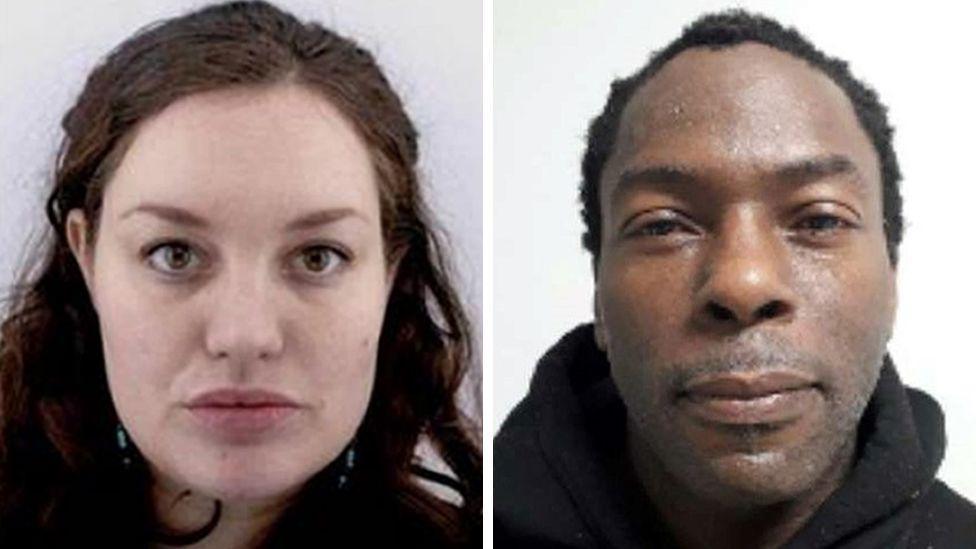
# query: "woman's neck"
241,524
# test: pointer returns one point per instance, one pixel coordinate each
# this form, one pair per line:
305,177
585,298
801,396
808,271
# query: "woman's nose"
243,321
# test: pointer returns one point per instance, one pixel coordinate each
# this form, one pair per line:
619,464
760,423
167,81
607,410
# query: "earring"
122,440
349,461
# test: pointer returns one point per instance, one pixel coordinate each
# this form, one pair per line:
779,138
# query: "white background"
430,50
553,63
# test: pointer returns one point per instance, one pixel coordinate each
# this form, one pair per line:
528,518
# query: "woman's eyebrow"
307,221
168,213
324,217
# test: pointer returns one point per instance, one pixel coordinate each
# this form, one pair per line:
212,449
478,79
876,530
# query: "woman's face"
240,282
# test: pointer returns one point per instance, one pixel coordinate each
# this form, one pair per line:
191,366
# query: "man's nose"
745,277
243,320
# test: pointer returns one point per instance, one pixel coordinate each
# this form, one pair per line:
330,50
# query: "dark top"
560,478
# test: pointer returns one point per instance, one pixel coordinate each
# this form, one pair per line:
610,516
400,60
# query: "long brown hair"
60,471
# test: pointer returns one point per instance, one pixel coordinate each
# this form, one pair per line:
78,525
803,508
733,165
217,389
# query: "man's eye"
664,227
822,223
319,260
172,257
661,227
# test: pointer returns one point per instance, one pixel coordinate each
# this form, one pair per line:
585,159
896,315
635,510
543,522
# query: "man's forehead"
741,77
748,104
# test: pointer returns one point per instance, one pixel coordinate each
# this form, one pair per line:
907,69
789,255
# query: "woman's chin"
237,476
233,489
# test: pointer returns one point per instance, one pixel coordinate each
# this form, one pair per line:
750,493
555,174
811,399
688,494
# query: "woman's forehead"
251,151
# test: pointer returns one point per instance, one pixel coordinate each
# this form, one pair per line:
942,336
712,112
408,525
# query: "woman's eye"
320,260
172,257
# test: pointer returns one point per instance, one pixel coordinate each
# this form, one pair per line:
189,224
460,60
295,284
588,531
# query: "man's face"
744,292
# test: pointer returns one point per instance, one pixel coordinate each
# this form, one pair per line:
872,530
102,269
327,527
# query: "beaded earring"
348,463
122,441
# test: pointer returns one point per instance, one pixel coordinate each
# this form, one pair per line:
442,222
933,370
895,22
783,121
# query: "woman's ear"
76,227
392,267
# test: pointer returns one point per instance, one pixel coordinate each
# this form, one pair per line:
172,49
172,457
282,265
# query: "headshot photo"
240,274
731,277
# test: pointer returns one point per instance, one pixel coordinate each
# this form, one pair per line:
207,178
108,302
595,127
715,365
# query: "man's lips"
746,385
750,398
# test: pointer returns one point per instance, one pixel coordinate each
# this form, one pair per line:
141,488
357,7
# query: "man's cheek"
850,323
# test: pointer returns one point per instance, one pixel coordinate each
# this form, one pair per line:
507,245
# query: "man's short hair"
724,30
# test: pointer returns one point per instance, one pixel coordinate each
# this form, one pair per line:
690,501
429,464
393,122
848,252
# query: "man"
741,203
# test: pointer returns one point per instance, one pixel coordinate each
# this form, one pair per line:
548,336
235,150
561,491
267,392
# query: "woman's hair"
60,468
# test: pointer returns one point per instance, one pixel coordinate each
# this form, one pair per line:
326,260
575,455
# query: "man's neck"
698,523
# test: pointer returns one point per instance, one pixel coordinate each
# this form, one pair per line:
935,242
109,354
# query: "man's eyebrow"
806,170
180,216
813,169
663,174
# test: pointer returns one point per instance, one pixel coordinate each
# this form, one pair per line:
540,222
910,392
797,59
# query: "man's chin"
748,465
742,467
761,479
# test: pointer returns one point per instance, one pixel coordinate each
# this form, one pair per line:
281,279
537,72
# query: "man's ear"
76,227
599,330
893,302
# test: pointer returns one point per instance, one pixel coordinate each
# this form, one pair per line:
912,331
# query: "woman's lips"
752,398
241,415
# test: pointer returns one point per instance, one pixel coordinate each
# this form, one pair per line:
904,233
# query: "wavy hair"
61,477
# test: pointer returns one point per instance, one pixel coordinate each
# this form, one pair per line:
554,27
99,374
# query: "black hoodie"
560,480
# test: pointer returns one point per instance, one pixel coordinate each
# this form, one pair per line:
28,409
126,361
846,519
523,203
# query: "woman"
242,334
